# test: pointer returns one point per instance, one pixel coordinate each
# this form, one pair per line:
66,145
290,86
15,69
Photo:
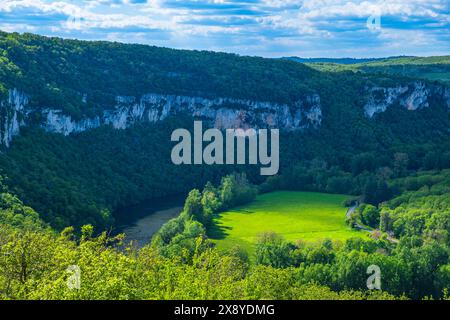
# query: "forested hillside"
410,246
381,137
57,73
431,68
84,177
409,238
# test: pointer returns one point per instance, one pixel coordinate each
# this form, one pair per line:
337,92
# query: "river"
140,222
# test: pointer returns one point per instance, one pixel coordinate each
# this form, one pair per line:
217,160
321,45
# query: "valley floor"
306,216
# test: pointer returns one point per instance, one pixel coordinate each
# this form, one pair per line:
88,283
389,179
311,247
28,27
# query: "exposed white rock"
381,98
418,98
12,112
56,121
413,97
221,113
314,112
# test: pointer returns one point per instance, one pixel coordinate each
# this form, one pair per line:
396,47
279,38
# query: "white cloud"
275,24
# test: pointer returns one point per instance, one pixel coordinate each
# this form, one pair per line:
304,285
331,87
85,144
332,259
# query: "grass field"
306,216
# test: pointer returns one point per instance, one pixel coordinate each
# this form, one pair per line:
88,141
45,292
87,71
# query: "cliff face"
221,113
12,114
413,96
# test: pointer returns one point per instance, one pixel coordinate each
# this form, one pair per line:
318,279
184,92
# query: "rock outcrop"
12,115
413,96
221,113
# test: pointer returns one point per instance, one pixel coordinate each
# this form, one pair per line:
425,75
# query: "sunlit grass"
306,216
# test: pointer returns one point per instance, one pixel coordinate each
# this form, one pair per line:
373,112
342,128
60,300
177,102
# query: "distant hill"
340,60
431,68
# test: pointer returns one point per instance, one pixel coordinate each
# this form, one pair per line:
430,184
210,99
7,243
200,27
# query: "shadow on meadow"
217,230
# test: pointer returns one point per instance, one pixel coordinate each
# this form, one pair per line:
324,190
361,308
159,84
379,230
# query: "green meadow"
306,216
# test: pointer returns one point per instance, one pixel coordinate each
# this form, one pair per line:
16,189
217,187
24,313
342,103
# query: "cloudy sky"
270,28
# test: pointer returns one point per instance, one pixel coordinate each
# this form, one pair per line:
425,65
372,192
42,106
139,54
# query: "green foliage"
87,178
80,180
376,191
413,259
369,215
193,205
431,68
211,203
235,190
181,263
272,250
344,267
37,263
423,209
57,73
181,235
15,214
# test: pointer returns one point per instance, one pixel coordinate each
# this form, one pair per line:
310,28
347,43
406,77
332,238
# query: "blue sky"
269,28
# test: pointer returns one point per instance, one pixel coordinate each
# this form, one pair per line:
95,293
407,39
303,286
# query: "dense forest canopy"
182,263
56,73
59,195
85,177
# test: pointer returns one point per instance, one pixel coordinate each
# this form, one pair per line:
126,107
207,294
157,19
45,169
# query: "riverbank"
142,231
141,221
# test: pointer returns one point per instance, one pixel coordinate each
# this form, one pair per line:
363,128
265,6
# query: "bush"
273,250
370,215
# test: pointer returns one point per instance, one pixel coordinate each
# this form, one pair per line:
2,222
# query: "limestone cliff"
221,113
413,96
12,115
